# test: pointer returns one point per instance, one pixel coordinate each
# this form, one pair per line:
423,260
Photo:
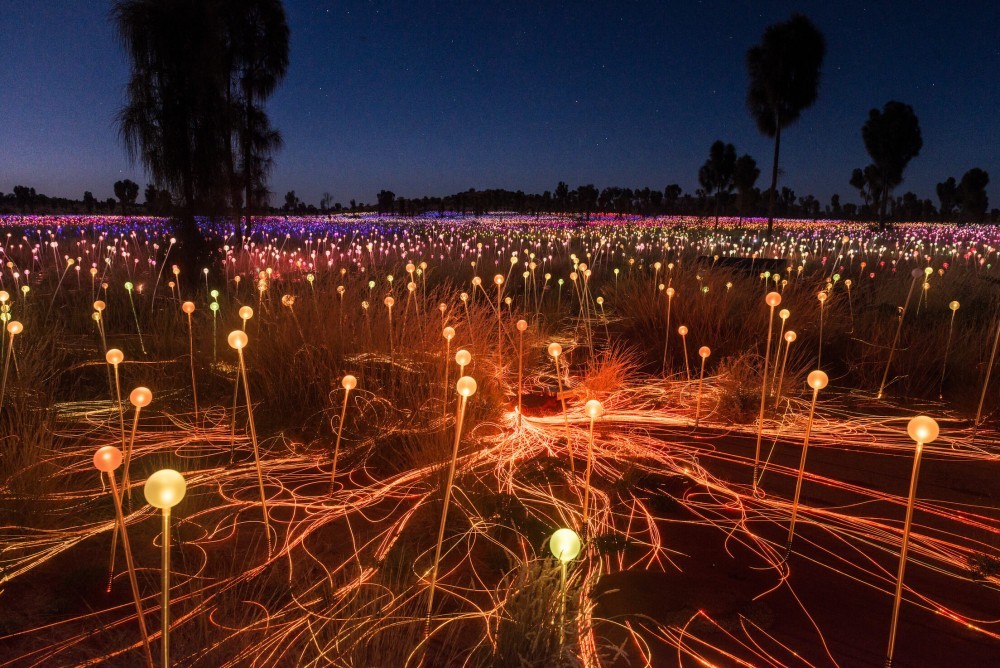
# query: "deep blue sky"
426,97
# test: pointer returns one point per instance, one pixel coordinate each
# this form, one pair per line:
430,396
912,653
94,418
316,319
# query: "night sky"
430,98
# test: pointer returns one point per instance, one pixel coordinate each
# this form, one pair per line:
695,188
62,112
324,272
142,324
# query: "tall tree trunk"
717,209
774,179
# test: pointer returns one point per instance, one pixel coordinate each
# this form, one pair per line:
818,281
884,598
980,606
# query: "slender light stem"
562,399
895,339
256,451
194,389
165,594
586,487
444,511
697,409
447,359
947,348
763,395
986,381
798,480
340,430
520,365
902,554
128,454
131,569
781,376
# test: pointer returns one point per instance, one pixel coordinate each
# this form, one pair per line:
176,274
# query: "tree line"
194,118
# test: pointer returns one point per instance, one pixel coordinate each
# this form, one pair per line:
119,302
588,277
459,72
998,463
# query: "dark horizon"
433,103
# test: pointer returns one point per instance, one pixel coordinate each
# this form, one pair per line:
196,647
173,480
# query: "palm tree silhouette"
784,80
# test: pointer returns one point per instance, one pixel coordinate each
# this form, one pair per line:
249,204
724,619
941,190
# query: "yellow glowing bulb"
565,545
704,351
449,333
246,312
463,357
349,382
522,325
555,350
14,327
114,357
165,489
594,409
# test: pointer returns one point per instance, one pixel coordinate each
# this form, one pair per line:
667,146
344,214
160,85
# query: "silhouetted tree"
716,175
127,192
175,119
972,198
784,72
892,138
291,201
947,192
257,59
385,200
745,175
89,202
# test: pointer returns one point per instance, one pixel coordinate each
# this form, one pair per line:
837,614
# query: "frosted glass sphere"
784,314
594,409
522,325
107,458
463,357
188,307
349,382
790,336
565,545
466,386
555,349
704,351
817,379
165,488
140,397
246,312
237,339
772,299
922,429
114,356
449,333
682,330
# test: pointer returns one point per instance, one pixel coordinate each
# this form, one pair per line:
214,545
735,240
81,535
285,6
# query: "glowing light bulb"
114,357
555,350
188,307
449,333
594,409
790,336
140,397
922,429
522,325
466,386
463,357
165,489
246,312
107,459
704,352
773,299
237,339
349,382
565,545
817,380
